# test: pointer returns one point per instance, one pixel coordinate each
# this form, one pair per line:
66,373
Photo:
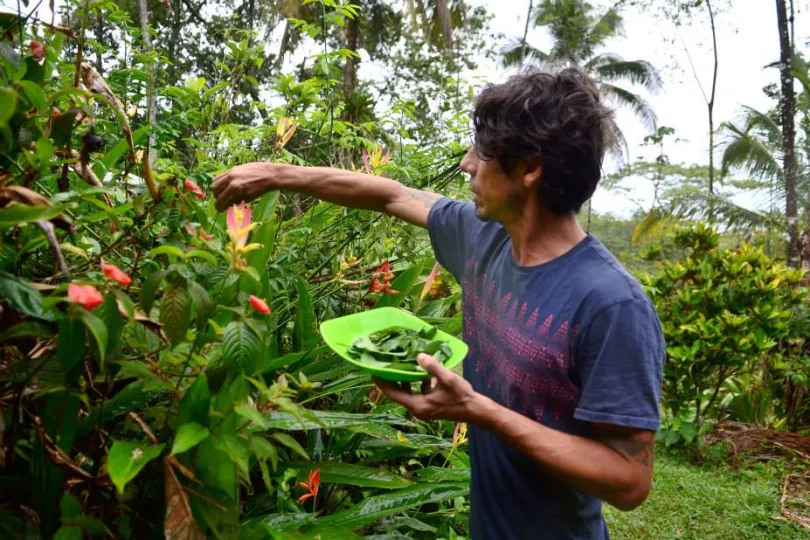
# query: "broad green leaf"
196,403
20,295
27,329
150,288
250,413
292,358
188,436
34,71
70,348
236,449
202,301
402,284
443,474
69,507
240,347
175,314
8,104
127,458
260,527
388,504
113,322
62,127
333,420
200,254
290,443
97,330
305,334
264,450
133,396
166,250
335,472
265,234
69,533
34,94
17,213
122,146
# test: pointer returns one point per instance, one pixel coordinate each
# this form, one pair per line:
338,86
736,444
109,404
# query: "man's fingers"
396,393
434,367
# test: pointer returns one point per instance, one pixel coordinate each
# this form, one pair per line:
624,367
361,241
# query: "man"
563,377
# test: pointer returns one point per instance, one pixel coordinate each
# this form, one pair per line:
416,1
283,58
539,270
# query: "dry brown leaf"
179,523
96,84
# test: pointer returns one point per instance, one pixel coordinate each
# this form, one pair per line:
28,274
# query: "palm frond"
636,71
608,25
614,140
636,103
745,152
601,59
512,54
760,120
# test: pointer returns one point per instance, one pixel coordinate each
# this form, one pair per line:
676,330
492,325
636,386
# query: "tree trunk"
100,39
150,91
787,107
710,102
177,24
525,37
446,20
350,72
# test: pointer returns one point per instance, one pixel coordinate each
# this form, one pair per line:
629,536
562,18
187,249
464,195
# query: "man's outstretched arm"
337,186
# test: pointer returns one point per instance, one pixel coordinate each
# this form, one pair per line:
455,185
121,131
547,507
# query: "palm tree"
578,34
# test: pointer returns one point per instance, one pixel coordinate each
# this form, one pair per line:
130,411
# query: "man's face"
498,196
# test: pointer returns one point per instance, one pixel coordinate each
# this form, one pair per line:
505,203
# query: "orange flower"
116,274
205,236
194,188
260,305
37,49
381,282
86,295
311,486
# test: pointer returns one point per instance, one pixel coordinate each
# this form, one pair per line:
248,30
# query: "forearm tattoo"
417,195
639,451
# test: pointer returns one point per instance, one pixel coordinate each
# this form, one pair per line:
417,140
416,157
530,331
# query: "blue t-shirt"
566,343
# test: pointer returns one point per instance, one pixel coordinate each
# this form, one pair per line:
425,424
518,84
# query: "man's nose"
468,162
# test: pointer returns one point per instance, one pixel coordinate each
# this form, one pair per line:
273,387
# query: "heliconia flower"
381,282
285,130
375,159
314,481
260,305
194,188
429,281
205,236
116,274
37,49
86,295
239,227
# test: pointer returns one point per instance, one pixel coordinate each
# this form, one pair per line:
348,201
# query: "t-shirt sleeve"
452,225
620,362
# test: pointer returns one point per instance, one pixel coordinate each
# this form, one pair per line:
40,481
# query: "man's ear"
532,173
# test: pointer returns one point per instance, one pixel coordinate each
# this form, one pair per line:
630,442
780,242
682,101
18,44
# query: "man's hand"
445,396
243,183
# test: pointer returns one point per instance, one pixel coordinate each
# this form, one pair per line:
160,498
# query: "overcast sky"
747,41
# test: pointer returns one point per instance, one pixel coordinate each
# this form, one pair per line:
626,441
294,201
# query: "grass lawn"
707,502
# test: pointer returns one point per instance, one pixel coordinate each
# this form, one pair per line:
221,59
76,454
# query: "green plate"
341,332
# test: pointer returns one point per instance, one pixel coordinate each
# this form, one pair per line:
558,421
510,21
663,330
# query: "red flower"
194,188
312,485
86,295
381,282
37,49
116,274
205,236
260,305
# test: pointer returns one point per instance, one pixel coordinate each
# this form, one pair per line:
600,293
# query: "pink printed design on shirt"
525,366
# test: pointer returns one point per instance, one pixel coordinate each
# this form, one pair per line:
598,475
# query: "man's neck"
540,236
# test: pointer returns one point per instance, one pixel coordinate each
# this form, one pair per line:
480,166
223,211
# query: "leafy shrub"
724,311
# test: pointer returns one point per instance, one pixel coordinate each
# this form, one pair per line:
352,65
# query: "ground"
707,502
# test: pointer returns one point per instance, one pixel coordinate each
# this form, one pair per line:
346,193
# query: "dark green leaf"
332,420
62,127
68,533
150,287
202,301
133,396
333,472
8,104
97,330
240,347
20,295
305,334
388,504
35,95
112,320
443,474
15,214
27,329
291,443
196,403
70,348
70,507
35,72
127,458
175,314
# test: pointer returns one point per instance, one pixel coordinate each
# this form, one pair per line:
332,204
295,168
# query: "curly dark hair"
556,118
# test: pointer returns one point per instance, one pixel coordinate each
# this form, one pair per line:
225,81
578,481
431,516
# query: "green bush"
724,312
